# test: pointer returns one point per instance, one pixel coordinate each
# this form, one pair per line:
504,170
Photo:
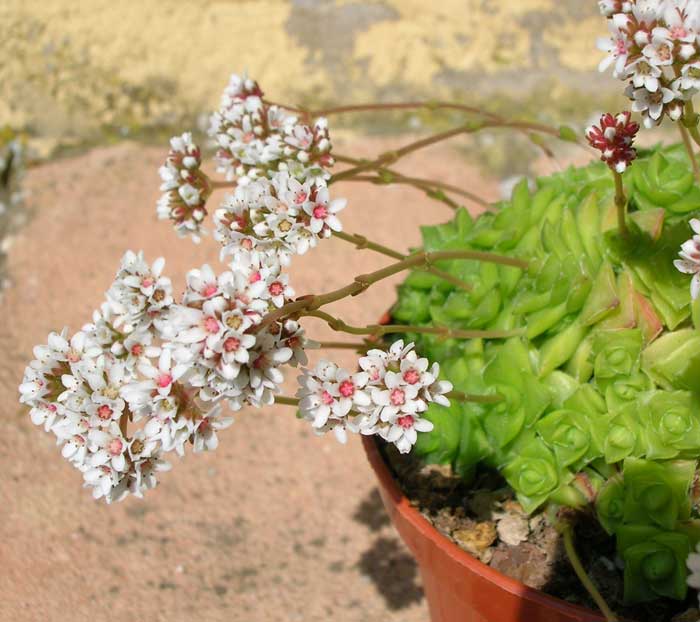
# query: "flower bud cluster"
388,397
256,139
185,188
655,47
614,138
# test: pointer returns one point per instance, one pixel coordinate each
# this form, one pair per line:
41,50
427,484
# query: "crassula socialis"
554,338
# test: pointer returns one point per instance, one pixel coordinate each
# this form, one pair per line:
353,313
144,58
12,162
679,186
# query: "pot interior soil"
485,520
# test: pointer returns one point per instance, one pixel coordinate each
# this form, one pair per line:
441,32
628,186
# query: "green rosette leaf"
654,563
625,390
672,423
657,493
533,473
610,504
567,433
625,437
615,353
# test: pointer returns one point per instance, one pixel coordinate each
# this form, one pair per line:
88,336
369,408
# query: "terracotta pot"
460,588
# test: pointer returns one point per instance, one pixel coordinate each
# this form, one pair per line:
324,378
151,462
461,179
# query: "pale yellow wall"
68,68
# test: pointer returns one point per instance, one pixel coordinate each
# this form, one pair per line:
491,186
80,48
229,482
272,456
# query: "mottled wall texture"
80,70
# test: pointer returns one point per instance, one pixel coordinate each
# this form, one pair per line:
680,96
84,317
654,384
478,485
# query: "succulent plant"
599,404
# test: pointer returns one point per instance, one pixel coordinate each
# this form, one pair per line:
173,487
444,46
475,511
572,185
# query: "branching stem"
360,242
377,330
364,281
342,345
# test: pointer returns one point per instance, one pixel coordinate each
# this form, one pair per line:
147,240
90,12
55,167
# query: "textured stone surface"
277,524
72,71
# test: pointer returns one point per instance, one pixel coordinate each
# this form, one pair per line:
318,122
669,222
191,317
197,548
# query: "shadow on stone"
393,572
371,512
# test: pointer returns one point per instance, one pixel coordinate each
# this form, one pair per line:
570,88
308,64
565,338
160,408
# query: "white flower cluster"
145,361
388,397
654,45
279,217
185,188
257,139
215,333
148,375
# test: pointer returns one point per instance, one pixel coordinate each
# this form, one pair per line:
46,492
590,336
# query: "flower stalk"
621,205
685,137
566,531
378,330
360,242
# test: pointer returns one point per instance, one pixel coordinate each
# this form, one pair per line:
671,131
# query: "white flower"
690,258
204,434
162,377
651,105
617,48
403,431
110,446
323,213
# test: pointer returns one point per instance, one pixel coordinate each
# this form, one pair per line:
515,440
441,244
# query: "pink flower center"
115,447
411,376
137,349
164,380
679,32
209,290
406,422
620,47
300,197
347,388
104,412
247,244
73,356
51,407
254,278
320,211
211,324
248,136
147,281
276,288
327,398
397,397
232,344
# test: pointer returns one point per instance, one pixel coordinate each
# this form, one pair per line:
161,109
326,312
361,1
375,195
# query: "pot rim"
464,559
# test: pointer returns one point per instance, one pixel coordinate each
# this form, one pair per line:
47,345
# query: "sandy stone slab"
276,524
